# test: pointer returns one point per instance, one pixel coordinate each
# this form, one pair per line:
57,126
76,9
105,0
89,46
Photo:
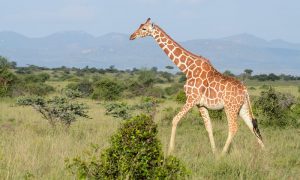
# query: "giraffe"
205,88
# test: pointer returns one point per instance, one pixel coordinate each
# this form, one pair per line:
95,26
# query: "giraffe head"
144,30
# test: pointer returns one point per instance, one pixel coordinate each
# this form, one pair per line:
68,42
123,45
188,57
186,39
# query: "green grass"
30,148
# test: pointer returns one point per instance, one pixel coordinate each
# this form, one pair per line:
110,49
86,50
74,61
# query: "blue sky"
182,19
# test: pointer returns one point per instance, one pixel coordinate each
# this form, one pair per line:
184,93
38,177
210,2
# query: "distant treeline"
247,74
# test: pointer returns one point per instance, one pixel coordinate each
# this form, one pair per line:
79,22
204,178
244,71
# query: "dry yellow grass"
29,148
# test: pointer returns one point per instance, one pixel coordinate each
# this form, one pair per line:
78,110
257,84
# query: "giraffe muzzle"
132,37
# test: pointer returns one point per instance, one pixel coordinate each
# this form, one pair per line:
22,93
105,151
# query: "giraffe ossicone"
205,88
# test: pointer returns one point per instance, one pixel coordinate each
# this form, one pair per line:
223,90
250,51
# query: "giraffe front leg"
205,115
175,121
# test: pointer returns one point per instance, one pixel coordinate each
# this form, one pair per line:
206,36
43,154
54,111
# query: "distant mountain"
79,49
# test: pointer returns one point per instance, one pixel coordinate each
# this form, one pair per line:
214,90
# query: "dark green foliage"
228,73
295,108
7,78
252,88
39,89
118,110
274,108
146,77
37,78
182,78
173,89
180,97
167,76
56,110
266,77
84,87
217,114
108,89
299,89
135,153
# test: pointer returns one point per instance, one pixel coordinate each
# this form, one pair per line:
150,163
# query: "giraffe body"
205,88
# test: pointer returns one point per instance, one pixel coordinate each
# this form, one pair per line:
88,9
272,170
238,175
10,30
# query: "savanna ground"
31,149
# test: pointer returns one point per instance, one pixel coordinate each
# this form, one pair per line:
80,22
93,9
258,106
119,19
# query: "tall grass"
29,148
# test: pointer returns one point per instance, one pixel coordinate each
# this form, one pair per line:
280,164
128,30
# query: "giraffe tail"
254,120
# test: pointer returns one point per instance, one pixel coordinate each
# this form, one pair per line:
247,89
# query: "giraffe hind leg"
205,115
232,128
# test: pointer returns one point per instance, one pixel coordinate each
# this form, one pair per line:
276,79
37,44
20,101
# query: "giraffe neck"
181,57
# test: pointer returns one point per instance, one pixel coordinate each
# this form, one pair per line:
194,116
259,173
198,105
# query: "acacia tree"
56,110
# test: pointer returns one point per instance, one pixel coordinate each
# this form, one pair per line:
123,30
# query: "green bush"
217,114
155,92
180,97
265,87
84,87
7,78
72,94
148,105
38,89
173,89
147,77
108,89
135,153
118,110
38,78
56,110
274,108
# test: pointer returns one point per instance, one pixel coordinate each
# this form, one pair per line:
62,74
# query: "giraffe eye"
144,29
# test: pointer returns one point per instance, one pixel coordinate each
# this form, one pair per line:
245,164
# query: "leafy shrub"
252,88
147,77
173,89
182,78
118,110
155,92
39,89
264,87
107,89
57,109
135,153
39,78
84,87
217,114
295,108
7,78
72,94
180,97
274,108
192,117
148,105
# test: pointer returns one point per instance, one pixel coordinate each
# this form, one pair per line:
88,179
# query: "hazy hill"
76,48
